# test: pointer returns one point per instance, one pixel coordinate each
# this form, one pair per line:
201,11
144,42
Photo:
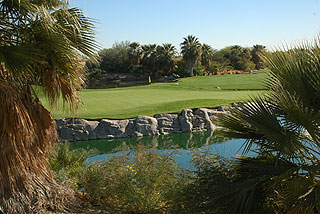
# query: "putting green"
194,92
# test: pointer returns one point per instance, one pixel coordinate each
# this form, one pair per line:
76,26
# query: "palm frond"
253,183
46,44
258,121
285,126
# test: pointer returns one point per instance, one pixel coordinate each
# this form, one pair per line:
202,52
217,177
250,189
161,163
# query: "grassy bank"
192,92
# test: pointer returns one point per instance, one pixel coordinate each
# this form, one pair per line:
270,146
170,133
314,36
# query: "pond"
183,144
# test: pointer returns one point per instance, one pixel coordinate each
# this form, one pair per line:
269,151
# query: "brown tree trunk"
26,133
190,69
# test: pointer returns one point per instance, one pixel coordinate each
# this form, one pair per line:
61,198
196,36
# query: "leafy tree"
256,53
206,56
115,59
284,131
42,43
180,68
240,58
221,60
222,56
191,51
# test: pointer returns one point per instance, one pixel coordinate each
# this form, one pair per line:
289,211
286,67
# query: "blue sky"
219,23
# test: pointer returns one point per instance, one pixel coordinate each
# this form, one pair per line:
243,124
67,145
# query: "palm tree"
165,53
191,51
134,53
284,131
206,56
149,58
42,43
256,52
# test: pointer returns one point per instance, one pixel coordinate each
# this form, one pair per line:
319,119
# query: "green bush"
228,68
180,69
143,181
66,165
138,70
95,72
211,170
215,67
199,70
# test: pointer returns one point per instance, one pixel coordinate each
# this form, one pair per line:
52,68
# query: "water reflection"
181,144
184,141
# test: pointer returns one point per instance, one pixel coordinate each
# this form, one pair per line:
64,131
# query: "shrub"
142,181
180,69
66,165
211,170
95,72
199,70
138,70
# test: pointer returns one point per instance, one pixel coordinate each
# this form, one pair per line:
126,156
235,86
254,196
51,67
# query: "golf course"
191,92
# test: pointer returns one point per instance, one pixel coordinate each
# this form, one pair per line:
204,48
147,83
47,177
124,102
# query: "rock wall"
187,121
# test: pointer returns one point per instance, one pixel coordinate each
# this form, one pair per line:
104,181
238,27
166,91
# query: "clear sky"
219,23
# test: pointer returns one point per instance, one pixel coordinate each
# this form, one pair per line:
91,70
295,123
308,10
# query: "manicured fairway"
192,92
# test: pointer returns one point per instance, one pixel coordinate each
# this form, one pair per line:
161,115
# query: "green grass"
192,92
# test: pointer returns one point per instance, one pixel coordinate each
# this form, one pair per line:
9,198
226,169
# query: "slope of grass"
191,92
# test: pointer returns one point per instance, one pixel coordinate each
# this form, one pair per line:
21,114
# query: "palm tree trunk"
190,69
26,133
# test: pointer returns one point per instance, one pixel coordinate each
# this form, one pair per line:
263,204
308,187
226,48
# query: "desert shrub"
211,170
67,164
228,68
142,181
215,67
199,70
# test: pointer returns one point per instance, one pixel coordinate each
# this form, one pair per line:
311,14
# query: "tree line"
164,60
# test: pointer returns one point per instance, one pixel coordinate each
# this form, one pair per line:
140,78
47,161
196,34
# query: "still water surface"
183,143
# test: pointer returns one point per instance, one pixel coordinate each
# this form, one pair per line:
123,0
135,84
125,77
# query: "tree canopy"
134,61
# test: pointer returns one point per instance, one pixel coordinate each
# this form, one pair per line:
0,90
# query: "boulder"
223,108
146,125
168,123
204,118
137,134
66,134
60,123
220,108
131,129
188,121
111,128
75,129
184,119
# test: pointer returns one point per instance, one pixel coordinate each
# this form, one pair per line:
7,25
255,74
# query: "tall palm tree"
191,51
284,131
42,43
206,56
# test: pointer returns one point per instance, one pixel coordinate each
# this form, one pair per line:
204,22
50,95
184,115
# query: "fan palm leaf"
207,55
42,43
283,126
191,51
